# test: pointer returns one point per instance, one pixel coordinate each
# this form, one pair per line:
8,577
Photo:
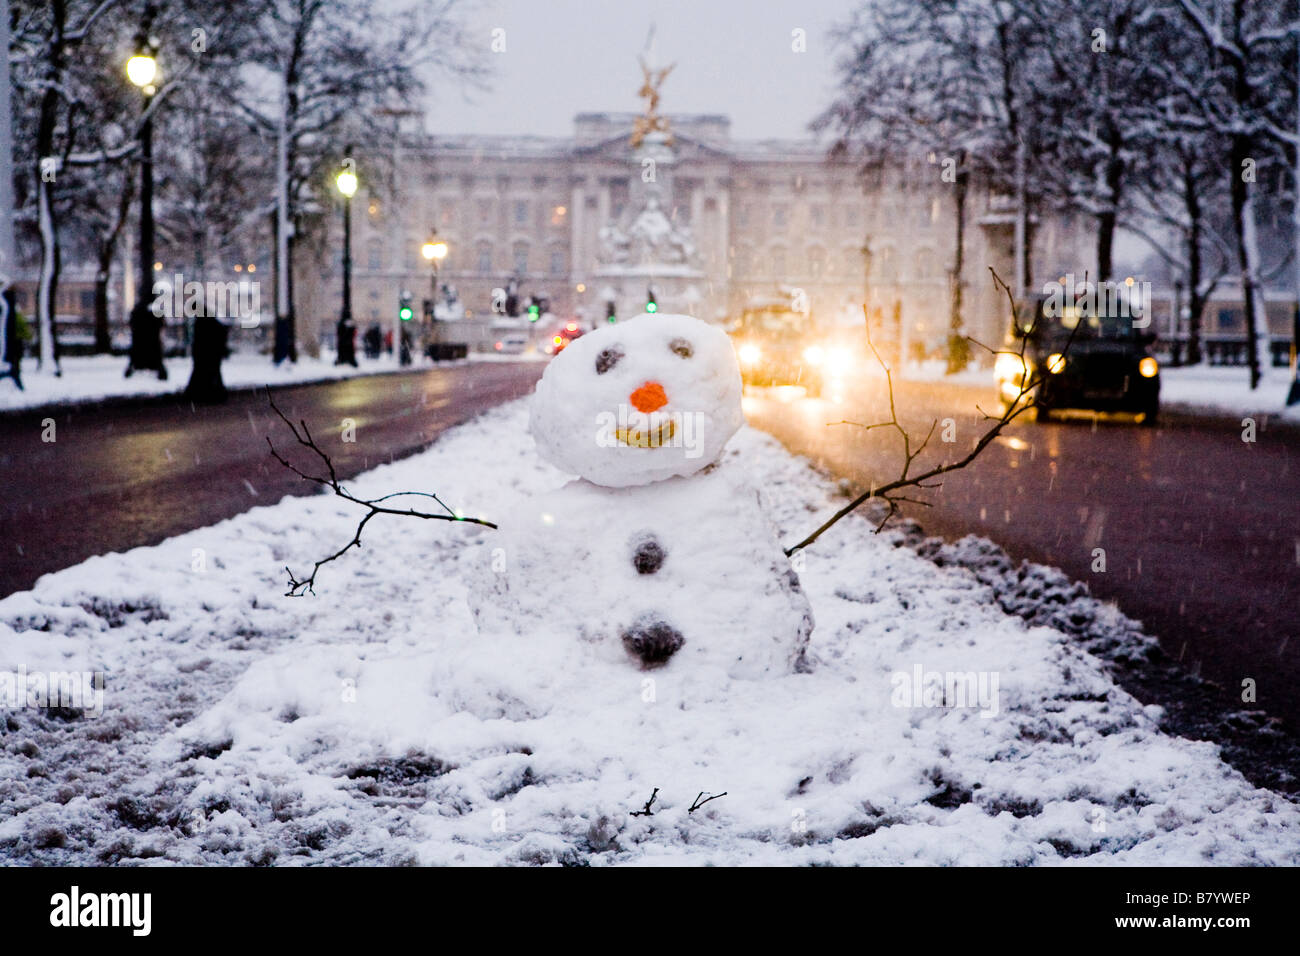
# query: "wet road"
1200,530
118,477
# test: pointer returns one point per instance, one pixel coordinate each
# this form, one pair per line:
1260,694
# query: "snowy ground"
95,377
1227,389
370,725
936,370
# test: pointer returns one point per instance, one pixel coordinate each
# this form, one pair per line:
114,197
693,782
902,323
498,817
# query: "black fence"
1224,350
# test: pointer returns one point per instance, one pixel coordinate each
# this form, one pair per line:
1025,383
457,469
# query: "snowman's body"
659,553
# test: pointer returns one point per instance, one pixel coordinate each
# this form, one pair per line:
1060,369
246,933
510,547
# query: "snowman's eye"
607,359
681,347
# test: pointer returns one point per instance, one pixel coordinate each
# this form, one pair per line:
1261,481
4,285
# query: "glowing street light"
346,181
345,333
146,328
142,70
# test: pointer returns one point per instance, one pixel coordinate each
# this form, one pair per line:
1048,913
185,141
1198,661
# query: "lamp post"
434,250
146,327
345,333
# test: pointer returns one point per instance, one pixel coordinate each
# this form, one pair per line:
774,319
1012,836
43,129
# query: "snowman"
658,554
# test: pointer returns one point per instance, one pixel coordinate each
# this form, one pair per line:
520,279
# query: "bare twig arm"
925,480
299,587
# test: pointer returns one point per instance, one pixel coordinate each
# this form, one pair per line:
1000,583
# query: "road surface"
125,475
1200,530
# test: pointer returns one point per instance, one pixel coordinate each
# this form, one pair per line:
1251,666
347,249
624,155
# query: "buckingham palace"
596,223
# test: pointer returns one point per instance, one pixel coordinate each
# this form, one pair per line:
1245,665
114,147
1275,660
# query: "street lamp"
435,250
346,182
146,327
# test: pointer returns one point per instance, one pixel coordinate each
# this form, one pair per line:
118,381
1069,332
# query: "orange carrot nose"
649,398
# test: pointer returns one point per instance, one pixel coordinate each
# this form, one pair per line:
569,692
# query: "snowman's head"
640,401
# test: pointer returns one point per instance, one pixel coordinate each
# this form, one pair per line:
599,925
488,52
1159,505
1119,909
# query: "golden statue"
652,79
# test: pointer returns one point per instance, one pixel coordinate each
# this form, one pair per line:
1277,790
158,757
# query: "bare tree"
1234,88
319,68
46,33
946,79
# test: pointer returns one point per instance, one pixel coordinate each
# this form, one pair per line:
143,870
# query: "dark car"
1098,362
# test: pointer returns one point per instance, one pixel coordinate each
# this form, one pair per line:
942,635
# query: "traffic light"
404,311
534,309
650,304
610,312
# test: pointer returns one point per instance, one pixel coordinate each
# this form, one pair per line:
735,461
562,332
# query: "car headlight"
1148,367
840,361
1010,367
1056,363
814,355
750,354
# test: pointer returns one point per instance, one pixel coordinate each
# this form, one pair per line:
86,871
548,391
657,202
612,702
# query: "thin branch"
699,803
299,587
925,480
645,811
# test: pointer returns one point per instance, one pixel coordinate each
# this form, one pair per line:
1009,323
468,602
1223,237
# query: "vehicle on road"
777,345
1090,360
563,336
511,342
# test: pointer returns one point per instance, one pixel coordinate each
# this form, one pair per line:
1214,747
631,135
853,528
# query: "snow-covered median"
1219,388
370,724
94,378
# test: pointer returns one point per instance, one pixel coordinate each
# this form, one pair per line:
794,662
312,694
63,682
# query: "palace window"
816,262
778,260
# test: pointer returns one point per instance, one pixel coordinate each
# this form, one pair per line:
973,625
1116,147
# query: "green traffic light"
651,307
405,314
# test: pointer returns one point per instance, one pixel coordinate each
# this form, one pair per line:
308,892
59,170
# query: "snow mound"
373,725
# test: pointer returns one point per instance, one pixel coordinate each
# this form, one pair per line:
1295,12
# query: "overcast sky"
569,56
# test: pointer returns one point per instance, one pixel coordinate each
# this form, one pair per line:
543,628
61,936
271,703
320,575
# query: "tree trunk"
1109,218
958,346
1196,304
1243,206
105,252
47,119
103,341
1243,222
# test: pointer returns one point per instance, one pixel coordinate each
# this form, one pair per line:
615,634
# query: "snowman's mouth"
648,437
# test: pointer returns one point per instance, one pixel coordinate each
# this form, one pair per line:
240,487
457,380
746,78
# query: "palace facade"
593,224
